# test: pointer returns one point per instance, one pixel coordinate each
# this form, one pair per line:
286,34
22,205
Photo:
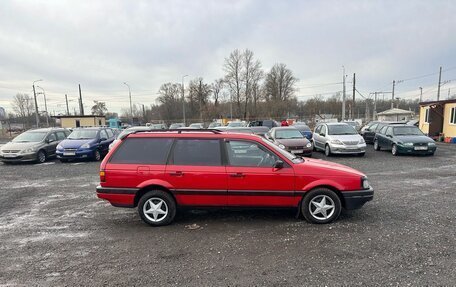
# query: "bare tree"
233,77
251,75
199,93
99,108
217,87
23,106
279,88
170,101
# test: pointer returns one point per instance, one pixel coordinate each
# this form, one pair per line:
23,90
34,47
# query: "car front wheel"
97,155
157,208
376,145
41,156
394,149
321,205
327,150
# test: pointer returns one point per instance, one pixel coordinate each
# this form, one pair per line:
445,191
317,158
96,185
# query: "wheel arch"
327,186
145,189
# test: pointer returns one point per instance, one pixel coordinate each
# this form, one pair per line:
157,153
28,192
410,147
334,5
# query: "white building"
395,114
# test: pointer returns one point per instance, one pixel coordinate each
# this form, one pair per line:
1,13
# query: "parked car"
33,145
404,139
85,143
159,172
236,124
158,127
264,123
176,126
260,130
356,125
338,138
129,131
291,140
369,133
303,129
214,125
196,126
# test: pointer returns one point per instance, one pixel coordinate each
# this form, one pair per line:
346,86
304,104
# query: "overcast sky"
101,44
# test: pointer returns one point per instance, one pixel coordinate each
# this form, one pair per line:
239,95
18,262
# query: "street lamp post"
45,105
37,117
183,98
131,107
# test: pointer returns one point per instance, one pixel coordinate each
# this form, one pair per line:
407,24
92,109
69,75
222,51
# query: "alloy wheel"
41,156
97,155
322,207
155,209
394,149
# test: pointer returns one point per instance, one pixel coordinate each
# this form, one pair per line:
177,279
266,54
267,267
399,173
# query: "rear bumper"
119,197
357,198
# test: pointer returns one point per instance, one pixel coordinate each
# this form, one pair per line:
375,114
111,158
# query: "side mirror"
49,140
278,164
390,136
322,134
103,139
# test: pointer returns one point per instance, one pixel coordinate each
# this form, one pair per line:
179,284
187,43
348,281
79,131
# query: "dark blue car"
85,143
304,130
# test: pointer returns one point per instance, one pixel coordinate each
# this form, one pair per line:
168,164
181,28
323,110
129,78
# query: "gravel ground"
54,231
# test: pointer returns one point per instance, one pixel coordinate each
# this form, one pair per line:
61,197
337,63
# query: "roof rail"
179,131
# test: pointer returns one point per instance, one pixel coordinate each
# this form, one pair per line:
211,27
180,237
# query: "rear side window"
110,134
143,151
202,152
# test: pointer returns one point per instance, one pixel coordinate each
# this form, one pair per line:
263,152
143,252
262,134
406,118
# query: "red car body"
225,185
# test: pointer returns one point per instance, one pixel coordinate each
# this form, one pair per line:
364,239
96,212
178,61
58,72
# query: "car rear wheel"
157,208
41,156
321,205
97,155
376,145
327,150
394,149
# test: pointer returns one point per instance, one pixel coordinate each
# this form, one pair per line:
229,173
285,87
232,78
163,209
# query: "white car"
338,138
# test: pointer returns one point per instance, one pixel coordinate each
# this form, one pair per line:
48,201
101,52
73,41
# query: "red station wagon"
160,171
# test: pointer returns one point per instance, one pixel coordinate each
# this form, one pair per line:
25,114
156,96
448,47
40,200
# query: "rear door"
252,179
51,144
316,137
196,171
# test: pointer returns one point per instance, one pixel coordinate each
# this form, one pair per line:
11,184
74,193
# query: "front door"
196,173
252,179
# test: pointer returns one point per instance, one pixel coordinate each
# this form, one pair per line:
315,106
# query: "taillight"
102,176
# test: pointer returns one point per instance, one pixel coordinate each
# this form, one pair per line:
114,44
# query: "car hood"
319,166
19,145
415,139
68,143
293,142
344,138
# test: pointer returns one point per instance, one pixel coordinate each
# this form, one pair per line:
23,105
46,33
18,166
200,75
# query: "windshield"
83,134
288,134
283,152
30,137
235,124
302,128
407,131
341,130
212,125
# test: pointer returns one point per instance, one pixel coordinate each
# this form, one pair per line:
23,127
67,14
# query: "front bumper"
357,198
348,149
19,157
411,150
78,154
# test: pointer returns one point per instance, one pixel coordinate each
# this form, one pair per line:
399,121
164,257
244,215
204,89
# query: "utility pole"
66,100
343,93
131,107
440,80
81,105
448,97
374,114
144,112
45,105
37,116
183,99
421,94
354,89
392,97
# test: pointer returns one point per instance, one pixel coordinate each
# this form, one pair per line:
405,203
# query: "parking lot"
54,231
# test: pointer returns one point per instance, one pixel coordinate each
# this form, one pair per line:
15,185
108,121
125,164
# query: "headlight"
309,145
59,147
86,145
29,150
361,141
408,144
281,146
336,142
431,144
365,183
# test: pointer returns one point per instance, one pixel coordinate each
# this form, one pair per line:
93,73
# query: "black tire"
157,196
327,150
307,208
394,150
97,155
376,145
40,156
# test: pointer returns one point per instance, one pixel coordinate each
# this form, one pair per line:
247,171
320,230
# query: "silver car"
338,138
33,145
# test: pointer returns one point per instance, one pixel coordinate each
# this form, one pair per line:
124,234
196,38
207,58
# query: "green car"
404,139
